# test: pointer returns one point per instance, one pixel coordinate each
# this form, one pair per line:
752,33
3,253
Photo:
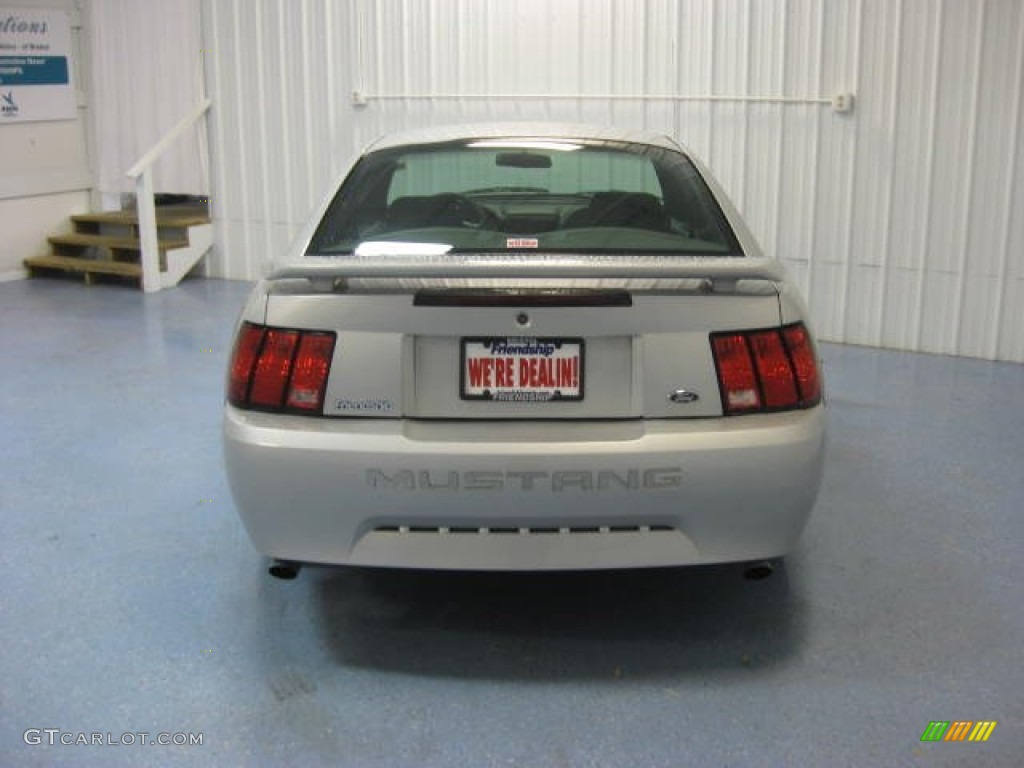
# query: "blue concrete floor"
131,600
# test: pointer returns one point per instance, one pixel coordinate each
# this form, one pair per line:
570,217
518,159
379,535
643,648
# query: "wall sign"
35,65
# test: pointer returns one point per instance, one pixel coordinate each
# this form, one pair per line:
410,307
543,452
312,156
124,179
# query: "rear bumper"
524,495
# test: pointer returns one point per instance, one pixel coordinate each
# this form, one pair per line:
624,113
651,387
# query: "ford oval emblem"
684,396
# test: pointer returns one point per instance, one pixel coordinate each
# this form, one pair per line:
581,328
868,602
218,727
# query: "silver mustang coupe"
524,347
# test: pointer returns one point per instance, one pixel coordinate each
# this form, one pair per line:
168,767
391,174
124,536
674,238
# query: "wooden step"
166,216
108,244
113,242
85,266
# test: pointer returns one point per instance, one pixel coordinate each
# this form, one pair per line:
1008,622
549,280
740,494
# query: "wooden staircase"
107,244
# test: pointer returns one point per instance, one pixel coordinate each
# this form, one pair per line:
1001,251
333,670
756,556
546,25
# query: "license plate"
521,369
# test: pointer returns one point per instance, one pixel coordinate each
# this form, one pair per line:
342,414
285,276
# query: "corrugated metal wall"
903,221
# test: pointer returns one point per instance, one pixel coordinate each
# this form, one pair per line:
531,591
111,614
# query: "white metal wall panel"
1008,343
133,46
955,134
875,170
903,221
839,38
997,137
914,105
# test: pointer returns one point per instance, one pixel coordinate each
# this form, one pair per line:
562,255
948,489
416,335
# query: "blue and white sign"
35,65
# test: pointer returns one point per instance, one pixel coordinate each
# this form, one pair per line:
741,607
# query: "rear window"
523,194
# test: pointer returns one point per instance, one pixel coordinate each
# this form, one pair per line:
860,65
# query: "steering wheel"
469,213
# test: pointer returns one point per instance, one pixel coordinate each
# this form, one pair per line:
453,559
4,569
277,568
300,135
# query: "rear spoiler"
715,268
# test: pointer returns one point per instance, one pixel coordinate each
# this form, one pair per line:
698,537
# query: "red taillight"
801,351
280,370
736,373
243,358
273,368
769,370
309,375
773,369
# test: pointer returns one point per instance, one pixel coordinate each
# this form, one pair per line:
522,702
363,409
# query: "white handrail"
141,172
147,160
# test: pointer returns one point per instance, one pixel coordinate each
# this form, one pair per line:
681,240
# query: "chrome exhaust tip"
759,571
284,569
